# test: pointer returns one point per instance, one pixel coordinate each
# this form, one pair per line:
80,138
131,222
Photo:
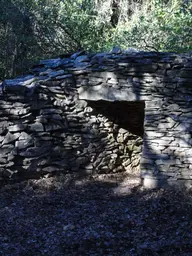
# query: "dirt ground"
96,215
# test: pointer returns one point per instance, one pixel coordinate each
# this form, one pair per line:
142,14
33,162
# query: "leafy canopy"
32,30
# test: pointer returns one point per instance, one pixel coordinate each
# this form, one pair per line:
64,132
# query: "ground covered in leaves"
99,215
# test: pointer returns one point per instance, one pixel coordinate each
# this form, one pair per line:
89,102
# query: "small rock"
82,58
68,227
75,55
116,50
37,127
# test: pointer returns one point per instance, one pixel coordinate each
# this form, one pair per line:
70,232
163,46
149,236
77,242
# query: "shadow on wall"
166,90
46,129
166,156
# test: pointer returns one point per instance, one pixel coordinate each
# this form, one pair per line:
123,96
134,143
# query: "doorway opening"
125,123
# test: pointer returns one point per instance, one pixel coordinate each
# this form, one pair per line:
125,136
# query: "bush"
158,28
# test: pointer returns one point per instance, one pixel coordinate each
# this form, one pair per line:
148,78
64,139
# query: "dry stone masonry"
100,113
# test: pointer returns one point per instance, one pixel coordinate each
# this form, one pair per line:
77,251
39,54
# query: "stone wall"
85,113
45,128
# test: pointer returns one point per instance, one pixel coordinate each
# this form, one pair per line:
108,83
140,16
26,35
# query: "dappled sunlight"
127,186
97,215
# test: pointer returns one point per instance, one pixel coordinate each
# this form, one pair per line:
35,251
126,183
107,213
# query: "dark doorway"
128,115
128,121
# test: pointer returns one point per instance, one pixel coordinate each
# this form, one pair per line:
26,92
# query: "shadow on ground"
98,215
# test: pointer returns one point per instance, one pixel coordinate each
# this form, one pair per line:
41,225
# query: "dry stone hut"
100,113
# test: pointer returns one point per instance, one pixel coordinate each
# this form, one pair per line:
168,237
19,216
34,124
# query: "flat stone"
34,151
116,50
21,85
53,127
100,92
64,77
169,162
6,149
77,54
25,136
51,63
3,160
9,138
80,66
19,81
50,169
49,82
17,128
82,58
37,127
4,124
122,130
167,125
9,164
5,105
19,111
10,157
54,74
50,111
21,144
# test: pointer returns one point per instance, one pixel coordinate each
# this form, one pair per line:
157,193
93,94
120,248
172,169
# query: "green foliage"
163,28
30,30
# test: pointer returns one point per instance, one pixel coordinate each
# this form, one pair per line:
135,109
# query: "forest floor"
98,215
